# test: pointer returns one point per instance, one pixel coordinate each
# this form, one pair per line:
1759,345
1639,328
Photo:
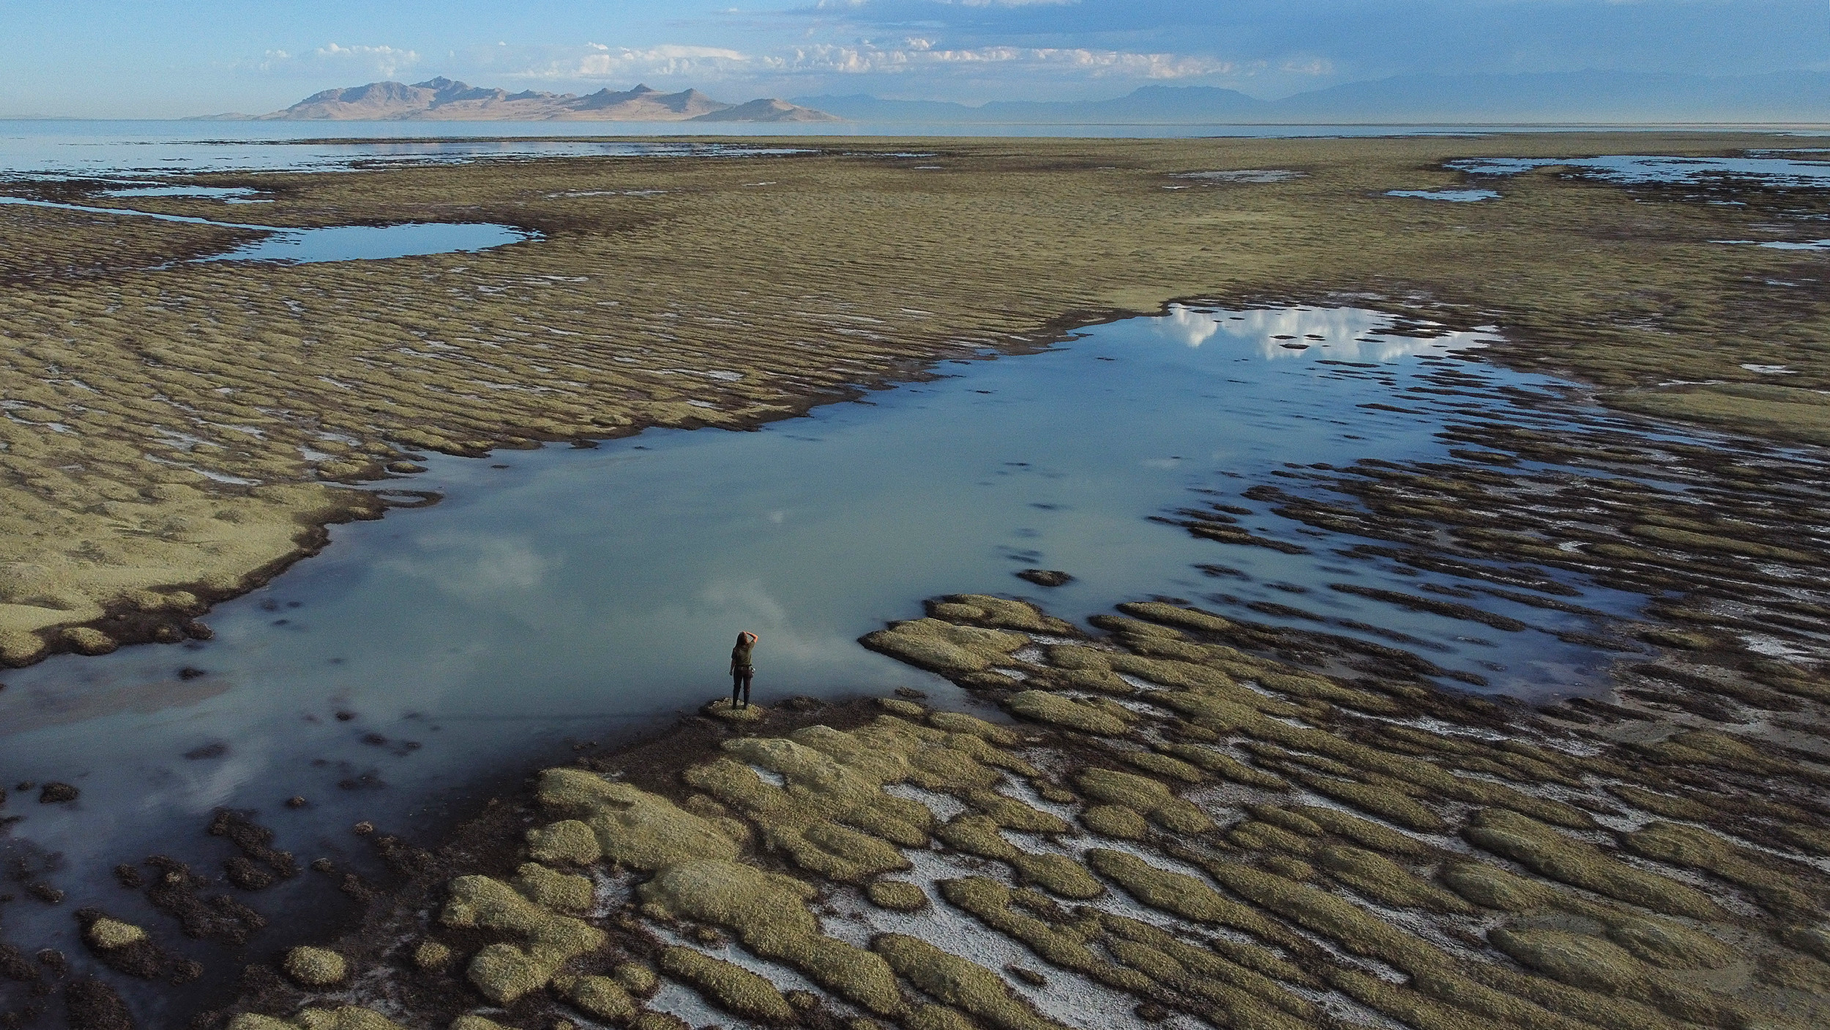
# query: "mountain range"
1552,97
1559,97
443,99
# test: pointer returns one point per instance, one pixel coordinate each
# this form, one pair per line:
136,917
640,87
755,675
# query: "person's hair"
740,637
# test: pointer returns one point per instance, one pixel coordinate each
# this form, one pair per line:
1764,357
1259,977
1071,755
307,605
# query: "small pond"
226,194
1629,169
375,242
333,242
1456,196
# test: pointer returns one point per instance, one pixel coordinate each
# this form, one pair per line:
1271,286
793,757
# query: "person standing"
741,669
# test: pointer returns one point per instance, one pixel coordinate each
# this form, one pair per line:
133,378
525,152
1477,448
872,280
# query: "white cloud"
383,61
626,63
920,54
597,62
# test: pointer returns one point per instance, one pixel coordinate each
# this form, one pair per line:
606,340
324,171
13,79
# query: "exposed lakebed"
557,595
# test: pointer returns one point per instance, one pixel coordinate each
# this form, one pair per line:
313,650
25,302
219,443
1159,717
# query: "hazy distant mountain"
443,99
1565,97
1589,96
1547,97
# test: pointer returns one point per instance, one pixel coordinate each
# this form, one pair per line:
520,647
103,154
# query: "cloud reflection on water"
1341,334
479,568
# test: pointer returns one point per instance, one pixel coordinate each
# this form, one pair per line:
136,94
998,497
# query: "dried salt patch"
1078,846
1570,746
1022,790
682,1001
769,776
944,806
1226,800
1371,966
785,978
1140,683
1441,728
1068,997
1428,926
610,890
1773,647
1769,370
1448,842
1259,688
1632,819
221,477
1130,704
182,441
1554,792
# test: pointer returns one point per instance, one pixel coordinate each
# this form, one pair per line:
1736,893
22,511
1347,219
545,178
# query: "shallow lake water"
375,242
1454,196
110,148
332,242
1633,169
74,147
563,594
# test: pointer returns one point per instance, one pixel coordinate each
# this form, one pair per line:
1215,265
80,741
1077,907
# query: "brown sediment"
129,388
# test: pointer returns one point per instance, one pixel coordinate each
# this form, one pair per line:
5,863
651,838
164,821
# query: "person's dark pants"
740,684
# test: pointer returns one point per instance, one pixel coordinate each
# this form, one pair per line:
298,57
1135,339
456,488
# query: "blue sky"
158,58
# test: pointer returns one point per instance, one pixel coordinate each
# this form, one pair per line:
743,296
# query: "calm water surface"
58,147
1629,169
327,243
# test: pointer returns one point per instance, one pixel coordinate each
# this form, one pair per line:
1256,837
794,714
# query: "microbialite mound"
1173,825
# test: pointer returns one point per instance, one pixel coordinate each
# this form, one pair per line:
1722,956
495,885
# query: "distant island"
443,99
